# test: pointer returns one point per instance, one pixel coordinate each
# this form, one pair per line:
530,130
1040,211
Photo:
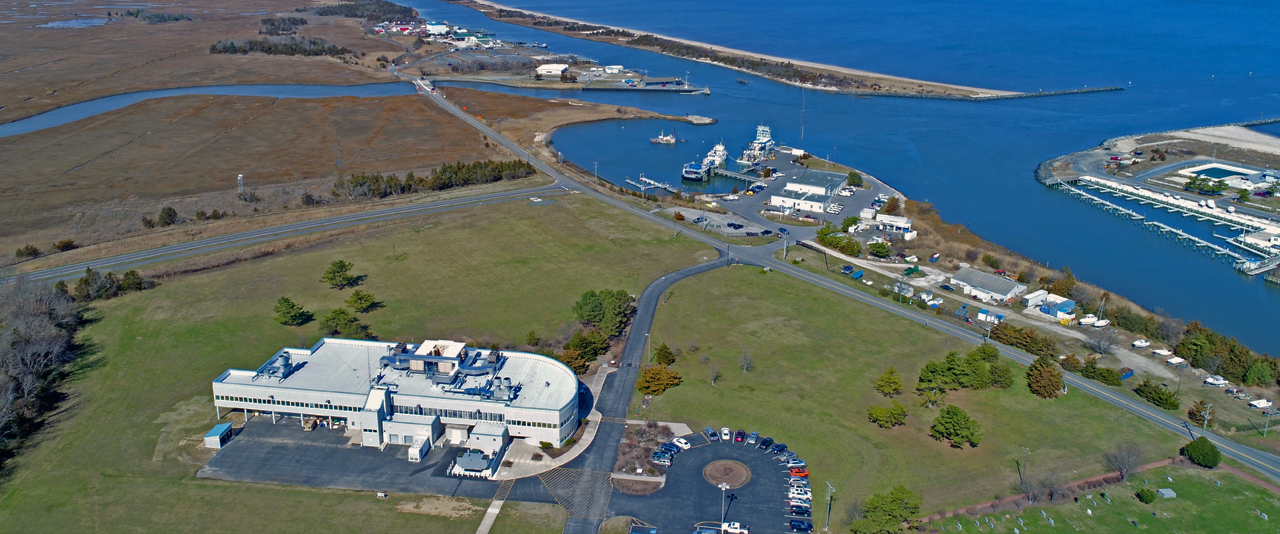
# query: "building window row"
533,424
293,404
456,414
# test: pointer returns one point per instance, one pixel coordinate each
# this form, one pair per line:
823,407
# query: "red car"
740,436
799,472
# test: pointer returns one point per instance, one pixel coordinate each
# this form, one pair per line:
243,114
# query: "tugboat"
664,139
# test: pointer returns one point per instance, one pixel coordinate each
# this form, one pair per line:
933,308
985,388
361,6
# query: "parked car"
799,472
799,483
752,438
786,456
777,449
671,448
725,435
765,443
739,436
846,270
947,287
801,526
766,232
784,231
682,443
796,462
711,434
700,220
734,528
800,511
800,493
800,502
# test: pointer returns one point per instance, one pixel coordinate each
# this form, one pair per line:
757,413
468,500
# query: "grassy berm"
817,355
121,452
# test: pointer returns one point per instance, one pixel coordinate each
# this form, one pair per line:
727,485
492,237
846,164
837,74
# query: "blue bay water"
1191,63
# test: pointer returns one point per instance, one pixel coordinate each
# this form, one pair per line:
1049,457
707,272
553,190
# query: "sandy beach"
899,83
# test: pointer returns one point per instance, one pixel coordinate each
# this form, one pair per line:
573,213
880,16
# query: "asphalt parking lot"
283,454
688,498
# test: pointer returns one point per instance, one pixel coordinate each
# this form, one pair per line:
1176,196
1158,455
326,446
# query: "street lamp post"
724,486
826,526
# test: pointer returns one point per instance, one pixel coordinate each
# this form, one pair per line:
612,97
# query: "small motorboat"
1141,344
1102,323
1089,320
1162,352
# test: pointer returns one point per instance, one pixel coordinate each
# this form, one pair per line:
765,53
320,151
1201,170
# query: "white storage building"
986,287
552,69
811,192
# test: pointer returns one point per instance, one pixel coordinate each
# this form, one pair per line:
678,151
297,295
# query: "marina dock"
646,184
1242,263
730,174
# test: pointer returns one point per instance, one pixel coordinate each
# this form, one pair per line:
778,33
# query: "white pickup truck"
734,528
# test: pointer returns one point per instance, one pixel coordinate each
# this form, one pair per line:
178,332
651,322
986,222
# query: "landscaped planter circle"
735,474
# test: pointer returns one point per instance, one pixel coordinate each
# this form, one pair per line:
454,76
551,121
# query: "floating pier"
730,174
646,184
1163,229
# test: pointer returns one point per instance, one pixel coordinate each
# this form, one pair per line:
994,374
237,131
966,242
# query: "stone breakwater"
984,98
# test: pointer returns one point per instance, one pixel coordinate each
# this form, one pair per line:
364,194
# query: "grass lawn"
816,355
1201,505
122,452
530,518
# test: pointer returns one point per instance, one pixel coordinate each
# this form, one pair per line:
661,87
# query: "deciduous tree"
745,362
574,360
1124,458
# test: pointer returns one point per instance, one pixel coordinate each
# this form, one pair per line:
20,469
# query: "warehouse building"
552,69
986,287
415,395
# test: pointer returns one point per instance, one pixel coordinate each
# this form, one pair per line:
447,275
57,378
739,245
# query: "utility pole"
1268,425
827,525
648,348
1205,414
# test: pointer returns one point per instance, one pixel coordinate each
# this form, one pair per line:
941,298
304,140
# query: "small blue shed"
218,436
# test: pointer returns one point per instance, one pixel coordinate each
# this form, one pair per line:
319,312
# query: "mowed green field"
1201,505
816,356
122,452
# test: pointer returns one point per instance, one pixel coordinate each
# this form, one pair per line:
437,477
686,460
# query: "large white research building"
419,395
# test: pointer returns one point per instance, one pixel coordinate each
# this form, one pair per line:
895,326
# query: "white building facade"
403,394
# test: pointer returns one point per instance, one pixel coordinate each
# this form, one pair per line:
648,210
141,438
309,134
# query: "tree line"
155,18
293,46
448,176
834,238
37,330
370,10
281,25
